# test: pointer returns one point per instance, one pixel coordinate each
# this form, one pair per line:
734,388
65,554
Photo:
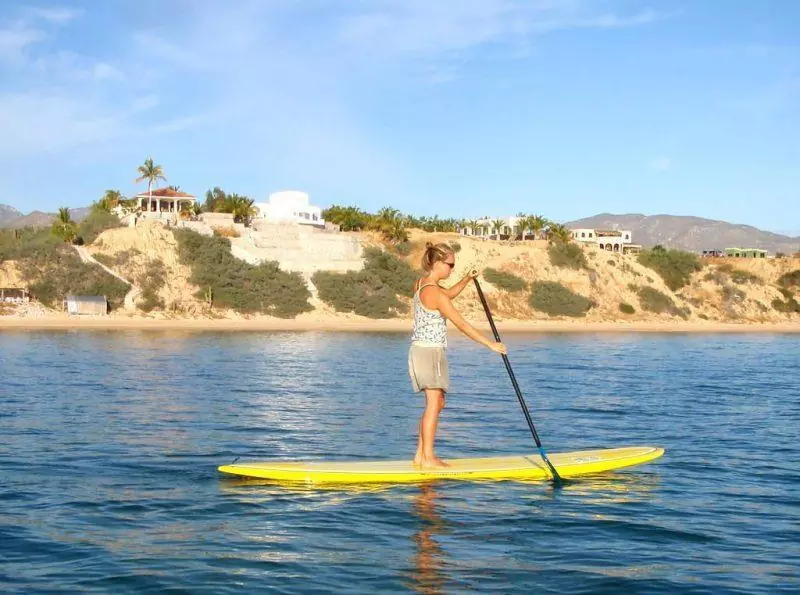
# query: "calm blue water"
109,443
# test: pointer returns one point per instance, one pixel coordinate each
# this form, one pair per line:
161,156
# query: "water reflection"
428,575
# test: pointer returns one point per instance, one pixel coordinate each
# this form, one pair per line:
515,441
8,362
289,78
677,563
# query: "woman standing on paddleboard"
427,357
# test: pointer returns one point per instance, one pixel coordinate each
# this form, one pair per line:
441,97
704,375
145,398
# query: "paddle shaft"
556,476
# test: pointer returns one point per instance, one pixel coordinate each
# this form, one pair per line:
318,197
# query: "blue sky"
564,108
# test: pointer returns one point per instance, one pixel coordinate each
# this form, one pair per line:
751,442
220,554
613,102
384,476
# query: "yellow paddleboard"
568,464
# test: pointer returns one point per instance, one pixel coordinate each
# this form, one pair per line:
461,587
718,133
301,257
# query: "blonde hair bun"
435,253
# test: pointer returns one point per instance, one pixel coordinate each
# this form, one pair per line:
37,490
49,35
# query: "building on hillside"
486,227
612,240
14,295
81,305
745,253
290,206
164,203
712,253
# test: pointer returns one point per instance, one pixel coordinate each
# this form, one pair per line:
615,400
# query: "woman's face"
446,266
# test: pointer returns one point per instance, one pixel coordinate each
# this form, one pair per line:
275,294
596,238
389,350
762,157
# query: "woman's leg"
434,403
440,406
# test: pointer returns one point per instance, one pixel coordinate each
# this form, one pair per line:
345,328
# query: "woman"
427,359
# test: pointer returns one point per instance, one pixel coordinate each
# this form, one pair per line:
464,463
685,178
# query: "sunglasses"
450,264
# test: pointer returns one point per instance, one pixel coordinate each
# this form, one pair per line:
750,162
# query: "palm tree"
152,173
498,225
111,199
64,226
241,207
536,224
64,216
559,233
388,214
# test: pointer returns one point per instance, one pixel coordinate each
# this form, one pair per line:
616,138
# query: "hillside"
690,233
573,283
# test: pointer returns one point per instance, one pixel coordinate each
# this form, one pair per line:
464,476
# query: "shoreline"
336,324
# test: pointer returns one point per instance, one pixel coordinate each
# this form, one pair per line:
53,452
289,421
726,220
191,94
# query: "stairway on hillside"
297,248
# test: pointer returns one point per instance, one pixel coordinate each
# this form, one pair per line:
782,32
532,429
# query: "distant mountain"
13,218
8,214
34,219
690,233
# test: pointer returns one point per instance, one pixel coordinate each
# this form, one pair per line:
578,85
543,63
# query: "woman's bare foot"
417,459
432,463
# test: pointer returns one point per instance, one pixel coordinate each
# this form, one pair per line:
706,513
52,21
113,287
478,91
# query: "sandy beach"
355,324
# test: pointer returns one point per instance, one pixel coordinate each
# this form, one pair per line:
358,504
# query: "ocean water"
109,443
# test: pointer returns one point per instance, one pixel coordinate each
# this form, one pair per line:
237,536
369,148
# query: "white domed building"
290,206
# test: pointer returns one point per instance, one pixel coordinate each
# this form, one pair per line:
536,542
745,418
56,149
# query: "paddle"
556,477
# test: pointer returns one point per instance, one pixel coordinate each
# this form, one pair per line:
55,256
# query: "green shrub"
392,271
790,306
611,262
567,255
653,300
674,266
732,294
787,293
371,292
702,316
629,269
236,284
55,271
556,300
403,248
503,280
96,223
790,279
360,292
456,247
626,308
741,277
725,268
150,282
16,244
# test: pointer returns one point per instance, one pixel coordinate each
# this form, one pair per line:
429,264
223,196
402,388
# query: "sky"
463,108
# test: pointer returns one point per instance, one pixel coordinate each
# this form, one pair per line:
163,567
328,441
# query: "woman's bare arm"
445,306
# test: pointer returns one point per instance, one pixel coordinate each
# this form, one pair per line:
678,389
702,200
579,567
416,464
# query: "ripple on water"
109,444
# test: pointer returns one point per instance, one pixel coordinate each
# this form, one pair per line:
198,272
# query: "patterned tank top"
430,326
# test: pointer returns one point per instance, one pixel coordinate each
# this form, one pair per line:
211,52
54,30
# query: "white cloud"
398,28
103,71
661,164
15,39
58,16
278,80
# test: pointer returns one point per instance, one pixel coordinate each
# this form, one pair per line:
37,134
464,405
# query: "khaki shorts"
427,366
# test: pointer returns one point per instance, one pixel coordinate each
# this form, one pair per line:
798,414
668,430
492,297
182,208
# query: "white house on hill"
486,227
613,240
290,206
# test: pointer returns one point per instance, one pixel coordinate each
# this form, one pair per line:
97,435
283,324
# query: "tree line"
394,225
